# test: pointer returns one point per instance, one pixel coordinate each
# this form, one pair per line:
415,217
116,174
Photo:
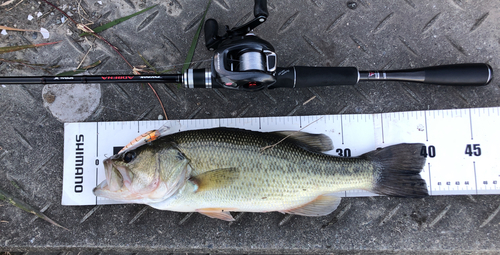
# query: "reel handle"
213,40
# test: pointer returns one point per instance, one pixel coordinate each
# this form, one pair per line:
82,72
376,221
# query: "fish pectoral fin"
312,142
218,213
215,179
322,205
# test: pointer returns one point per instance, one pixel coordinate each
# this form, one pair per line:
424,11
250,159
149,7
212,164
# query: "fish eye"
129,156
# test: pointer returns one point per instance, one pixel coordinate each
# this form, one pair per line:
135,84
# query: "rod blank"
170,78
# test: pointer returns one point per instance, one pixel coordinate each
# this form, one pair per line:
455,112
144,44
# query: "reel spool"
251,61
244,62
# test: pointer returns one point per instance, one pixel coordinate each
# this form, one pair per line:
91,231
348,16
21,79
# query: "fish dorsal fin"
215,179
218,213
312,142
322,205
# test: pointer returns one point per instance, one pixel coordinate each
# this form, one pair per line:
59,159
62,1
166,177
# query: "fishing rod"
244,61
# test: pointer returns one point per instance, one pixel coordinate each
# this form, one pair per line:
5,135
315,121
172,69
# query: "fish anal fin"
321,206
312,142
217,213
215,179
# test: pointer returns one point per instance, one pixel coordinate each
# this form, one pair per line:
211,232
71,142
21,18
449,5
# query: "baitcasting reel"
241,59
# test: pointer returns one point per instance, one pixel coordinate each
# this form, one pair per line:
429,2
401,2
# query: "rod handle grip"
473,74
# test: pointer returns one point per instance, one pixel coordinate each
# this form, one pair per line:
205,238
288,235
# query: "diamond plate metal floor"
374,35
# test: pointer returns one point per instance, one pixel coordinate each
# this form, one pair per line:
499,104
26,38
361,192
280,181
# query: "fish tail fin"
398,170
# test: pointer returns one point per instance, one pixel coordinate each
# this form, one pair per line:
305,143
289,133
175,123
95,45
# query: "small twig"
159,100
88,30
272,146
64,23
5,3
84,57
309,100
18,29
81,20
80,6
15,5
138,71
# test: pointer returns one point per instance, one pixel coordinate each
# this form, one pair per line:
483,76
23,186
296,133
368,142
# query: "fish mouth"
117,183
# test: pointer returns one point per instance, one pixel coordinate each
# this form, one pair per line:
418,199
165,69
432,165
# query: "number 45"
473,149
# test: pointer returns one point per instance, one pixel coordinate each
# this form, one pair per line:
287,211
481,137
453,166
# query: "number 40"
431,151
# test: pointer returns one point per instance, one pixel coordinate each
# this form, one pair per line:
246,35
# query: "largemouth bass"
223,170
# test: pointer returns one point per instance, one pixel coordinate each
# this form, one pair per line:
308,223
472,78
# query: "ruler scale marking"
470,120
430,179
342,128
475,175
426,129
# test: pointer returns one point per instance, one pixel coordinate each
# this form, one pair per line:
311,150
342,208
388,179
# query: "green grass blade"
25,207
116,22
20,61
190,54
23,47
79,70
147,63
152,67
165,71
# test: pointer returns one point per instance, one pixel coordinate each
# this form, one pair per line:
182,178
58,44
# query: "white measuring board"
462,146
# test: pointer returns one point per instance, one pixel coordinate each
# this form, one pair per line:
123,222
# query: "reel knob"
211,34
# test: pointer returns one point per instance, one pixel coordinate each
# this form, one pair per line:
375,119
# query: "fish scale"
285,175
